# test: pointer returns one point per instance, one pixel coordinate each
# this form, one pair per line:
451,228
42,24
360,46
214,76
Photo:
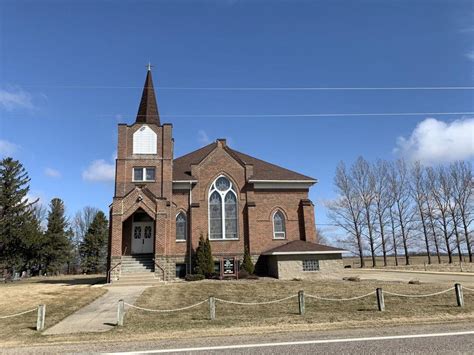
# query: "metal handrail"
109,272
162,270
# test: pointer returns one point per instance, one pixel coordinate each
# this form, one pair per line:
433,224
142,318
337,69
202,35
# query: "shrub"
194,277
204,261
247,264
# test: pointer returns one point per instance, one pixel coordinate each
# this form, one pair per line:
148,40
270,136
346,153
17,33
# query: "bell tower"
145,149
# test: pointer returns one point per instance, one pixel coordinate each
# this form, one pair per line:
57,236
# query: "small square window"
150,174
311,265
137,174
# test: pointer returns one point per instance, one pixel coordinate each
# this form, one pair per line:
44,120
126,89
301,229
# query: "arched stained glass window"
223,210
215,216
279,229
181,226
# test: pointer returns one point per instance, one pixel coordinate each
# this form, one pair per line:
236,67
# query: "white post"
380,299
41,317
459,295
120,313
212,308
301,305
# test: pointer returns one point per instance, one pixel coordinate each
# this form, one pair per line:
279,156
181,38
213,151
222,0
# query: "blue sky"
60,121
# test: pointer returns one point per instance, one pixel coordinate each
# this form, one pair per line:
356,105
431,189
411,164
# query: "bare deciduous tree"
347,211
462,181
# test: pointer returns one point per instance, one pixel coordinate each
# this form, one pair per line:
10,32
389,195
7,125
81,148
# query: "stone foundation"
115,267
288,267
166,269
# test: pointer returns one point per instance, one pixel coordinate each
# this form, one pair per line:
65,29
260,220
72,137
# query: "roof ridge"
195,151
266,162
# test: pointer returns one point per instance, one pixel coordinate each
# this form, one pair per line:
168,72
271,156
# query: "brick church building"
163,204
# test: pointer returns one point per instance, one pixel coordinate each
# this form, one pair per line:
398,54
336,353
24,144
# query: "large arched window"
222,210
181,226
279,229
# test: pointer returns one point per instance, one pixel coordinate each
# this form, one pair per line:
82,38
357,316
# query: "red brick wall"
255,225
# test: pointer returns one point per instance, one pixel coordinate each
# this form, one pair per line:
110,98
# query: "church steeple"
148,109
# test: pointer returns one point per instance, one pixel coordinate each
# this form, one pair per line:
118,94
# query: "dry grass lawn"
416,263
284,315
62,296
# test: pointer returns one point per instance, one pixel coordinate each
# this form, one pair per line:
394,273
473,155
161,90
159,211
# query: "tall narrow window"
215,216
181,226
223,210
279,230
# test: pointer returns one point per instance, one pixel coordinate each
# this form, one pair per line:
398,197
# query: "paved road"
383,275
432,339
100,315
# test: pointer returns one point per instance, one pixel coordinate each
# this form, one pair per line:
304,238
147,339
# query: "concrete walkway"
100,315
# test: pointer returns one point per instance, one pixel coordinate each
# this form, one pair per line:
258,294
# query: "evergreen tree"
33,242
204,261
247,264
56,247
15,213
93,248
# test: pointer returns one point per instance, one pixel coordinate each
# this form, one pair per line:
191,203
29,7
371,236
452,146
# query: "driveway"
405,276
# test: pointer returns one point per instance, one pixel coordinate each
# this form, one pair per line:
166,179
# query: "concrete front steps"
137,270
137,263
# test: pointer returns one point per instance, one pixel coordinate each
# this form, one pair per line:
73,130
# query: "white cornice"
306,252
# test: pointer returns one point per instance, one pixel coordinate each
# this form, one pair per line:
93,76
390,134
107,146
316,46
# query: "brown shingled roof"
262,170
301,246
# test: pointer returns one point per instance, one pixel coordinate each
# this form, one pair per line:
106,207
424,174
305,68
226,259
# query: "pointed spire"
148,109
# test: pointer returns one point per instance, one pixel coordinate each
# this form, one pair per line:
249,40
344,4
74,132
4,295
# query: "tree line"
40,240
398,208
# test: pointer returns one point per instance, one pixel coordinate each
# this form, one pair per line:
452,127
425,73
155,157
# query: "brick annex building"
163,204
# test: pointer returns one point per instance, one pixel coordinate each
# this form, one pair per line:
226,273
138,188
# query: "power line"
316,88
307,114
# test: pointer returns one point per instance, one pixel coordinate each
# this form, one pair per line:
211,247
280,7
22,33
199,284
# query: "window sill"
279,239
181,241
223,240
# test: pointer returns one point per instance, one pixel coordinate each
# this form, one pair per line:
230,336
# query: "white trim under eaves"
282,184
306,252
282,181
183,184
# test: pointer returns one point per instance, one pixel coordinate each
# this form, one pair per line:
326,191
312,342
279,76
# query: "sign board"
229,266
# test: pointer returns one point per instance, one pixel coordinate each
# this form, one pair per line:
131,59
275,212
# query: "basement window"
311,265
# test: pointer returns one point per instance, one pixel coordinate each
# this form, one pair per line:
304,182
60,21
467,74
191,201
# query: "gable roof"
262,170
303,247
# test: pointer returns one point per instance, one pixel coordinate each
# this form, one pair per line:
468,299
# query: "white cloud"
203,138
53,173
16,98
434,141
7,148
99,171
470,55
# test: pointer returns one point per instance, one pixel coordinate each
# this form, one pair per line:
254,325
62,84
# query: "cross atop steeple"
148,109
149,66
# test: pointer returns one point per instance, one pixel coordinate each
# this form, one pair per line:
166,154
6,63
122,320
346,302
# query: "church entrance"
142,233
142,238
